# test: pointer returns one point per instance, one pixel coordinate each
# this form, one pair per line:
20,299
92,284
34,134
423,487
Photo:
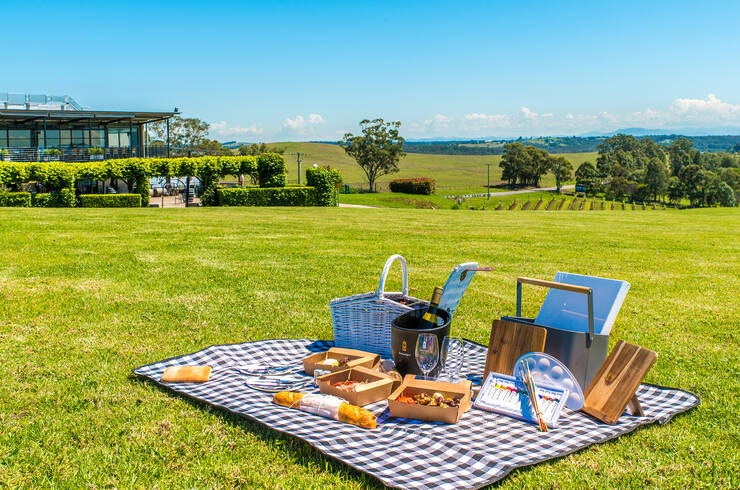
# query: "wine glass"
452,356
427,352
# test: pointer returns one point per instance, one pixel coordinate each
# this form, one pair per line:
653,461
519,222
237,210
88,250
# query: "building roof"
21,108
65,116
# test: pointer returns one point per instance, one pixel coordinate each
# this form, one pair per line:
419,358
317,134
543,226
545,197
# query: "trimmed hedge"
110,200
421,185
15,199
271,170
268,196
64,198
326,180
60,177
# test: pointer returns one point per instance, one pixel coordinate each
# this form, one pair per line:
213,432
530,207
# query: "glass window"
65,137
124,138
52,137
20,138
3,138
113,137
97,138
78,137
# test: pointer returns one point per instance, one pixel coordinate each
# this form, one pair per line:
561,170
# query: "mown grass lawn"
87,295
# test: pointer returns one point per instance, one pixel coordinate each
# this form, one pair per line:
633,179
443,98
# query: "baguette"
186,374
346,412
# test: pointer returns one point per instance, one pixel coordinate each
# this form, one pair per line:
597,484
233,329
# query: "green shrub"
209,197
420,185
15,199
53,152
325,180
95,151
110,200
268,196
271,170
64,198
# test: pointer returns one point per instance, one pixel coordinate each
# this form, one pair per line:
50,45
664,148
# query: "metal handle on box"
563,286
384,275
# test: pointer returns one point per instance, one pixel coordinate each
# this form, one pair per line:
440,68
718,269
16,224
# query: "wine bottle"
429,319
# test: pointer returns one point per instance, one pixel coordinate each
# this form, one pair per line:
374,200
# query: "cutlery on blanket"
266,370
275,385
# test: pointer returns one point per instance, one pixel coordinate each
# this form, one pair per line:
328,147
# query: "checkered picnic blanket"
481,448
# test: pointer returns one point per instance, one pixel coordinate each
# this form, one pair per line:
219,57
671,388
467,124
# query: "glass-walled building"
32,124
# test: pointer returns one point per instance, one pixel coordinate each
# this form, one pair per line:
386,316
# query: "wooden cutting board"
616,382
509,341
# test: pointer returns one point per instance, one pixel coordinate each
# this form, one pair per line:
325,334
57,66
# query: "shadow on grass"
303,453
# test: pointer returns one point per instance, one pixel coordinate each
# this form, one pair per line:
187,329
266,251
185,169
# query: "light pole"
488,188
298,160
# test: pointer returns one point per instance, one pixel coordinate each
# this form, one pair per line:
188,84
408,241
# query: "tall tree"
378,150
186,133
682,153
562,169
538,165
513,162
655,178
692,177
676,191
587,176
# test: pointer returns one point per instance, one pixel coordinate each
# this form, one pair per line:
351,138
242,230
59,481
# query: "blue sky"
272,71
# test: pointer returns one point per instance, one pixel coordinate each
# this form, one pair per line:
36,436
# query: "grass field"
455,174
86,295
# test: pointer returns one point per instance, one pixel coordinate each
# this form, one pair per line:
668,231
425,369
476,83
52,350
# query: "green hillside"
454,173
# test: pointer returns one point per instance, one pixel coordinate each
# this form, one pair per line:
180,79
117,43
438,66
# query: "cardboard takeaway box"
353,358
412,386
378,385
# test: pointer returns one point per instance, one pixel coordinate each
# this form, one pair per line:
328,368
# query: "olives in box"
407,400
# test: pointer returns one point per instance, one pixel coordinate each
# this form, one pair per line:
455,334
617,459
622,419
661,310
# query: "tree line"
526,165
643,170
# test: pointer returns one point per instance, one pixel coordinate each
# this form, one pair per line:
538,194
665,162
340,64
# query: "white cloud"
315,119
711,108
222,130
302,127
527,113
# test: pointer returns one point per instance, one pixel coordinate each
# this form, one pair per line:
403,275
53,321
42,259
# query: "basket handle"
384,275
565,287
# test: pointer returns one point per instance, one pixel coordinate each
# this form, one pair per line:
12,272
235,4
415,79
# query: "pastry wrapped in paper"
327,406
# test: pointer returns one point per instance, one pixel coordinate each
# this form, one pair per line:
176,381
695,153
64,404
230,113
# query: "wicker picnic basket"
363,321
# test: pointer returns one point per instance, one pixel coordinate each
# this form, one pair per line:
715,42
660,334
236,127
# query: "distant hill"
565,144
687,132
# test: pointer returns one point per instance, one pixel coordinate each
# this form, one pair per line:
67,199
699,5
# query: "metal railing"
67,154
63,102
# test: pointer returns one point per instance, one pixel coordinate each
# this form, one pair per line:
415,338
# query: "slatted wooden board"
508,342
616,382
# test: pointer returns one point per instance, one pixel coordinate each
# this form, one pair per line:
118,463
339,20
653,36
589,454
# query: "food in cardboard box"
434,400
420,399
336,359
331,362
348,385
327,406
